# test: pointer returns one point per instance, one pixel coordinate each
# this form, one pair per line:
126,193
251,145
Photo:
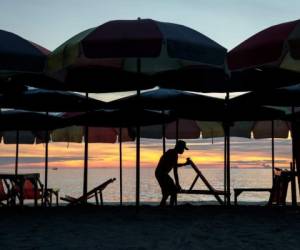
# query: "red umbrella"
277,46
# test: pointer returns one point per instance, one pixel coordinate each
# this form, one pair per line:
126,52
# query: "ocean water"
69,181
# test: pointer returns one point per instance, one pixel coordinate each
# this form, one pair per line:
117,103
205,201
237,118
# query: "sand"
184,227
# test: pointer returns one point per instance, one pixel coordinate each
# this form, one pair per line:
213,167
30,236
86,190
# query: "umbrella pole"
138,139
164,135
177,130
273,154
293,164
121,166
46,163
85,171
225,164
17,152
228,164
227,134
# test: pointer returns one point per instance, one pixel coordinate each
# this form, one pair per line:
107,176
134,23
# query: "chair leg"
96,197
56,199
101,198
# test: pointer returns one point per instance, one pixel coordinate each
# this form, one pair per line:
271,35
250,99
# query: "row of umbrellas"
138,54
167,54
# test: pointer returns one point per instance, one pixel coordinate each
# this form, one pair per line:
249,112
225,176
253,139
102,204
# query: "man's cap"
181,144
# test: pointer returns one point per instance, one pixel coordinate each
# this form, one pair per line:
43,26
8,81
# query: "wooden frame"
210,191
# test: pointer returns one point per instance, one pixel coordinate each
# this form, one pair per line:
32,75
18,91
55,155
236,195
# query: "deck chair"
5,193
280,187
30,192
95,192
38,193
210,189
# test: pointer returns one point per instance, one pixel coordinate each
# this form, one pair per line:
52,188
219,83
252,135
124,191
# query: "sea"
69,181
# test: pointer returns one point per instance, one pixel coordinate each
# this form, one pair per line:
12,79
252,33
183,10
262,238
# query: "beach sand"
184,227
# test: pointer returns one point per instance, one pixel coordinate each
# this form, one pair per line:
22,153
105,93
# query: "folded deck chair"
210,189
5,194
280,187
95,192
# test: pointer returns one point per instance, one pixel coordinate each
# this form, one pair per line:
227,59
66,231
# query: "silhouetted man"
167,162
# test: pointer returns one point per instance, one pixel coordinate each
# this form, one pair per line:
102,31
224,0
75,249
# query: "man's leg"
173,199
163,200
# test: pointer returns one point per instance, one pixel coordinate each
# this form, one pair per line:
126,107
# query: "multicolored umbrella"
122,55
277,46
115,51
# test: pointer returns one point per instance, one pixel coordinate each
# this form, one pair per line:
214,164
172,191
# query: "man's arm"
188,162
176,176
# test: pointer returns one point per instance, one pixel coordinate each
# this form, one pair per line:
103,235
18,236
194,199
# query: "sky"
50,23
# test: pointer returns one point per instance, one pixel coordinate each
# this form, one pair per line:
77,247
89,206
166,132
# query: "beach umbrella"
285,96
276,46
14,120
48,101
122,54
270,57
121,118
18,56
106,57
171,99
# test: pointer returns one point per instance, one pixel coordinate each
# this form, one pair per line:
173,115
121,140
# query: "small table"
19,179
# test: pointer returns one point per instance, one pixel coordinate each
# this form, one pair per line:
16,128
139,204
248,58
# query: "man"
167,162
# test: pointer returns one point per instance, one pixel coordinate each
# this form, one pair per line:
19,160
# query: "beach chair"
280,187
278,191
5,193
210,189
95,192
34,190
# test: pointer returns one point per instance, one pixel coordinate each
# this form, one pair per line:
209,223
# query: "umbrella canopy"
166,99
120,118
115,51
286,96
18,56
187,129
266,60
32,121
257,79
277,46
51,101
